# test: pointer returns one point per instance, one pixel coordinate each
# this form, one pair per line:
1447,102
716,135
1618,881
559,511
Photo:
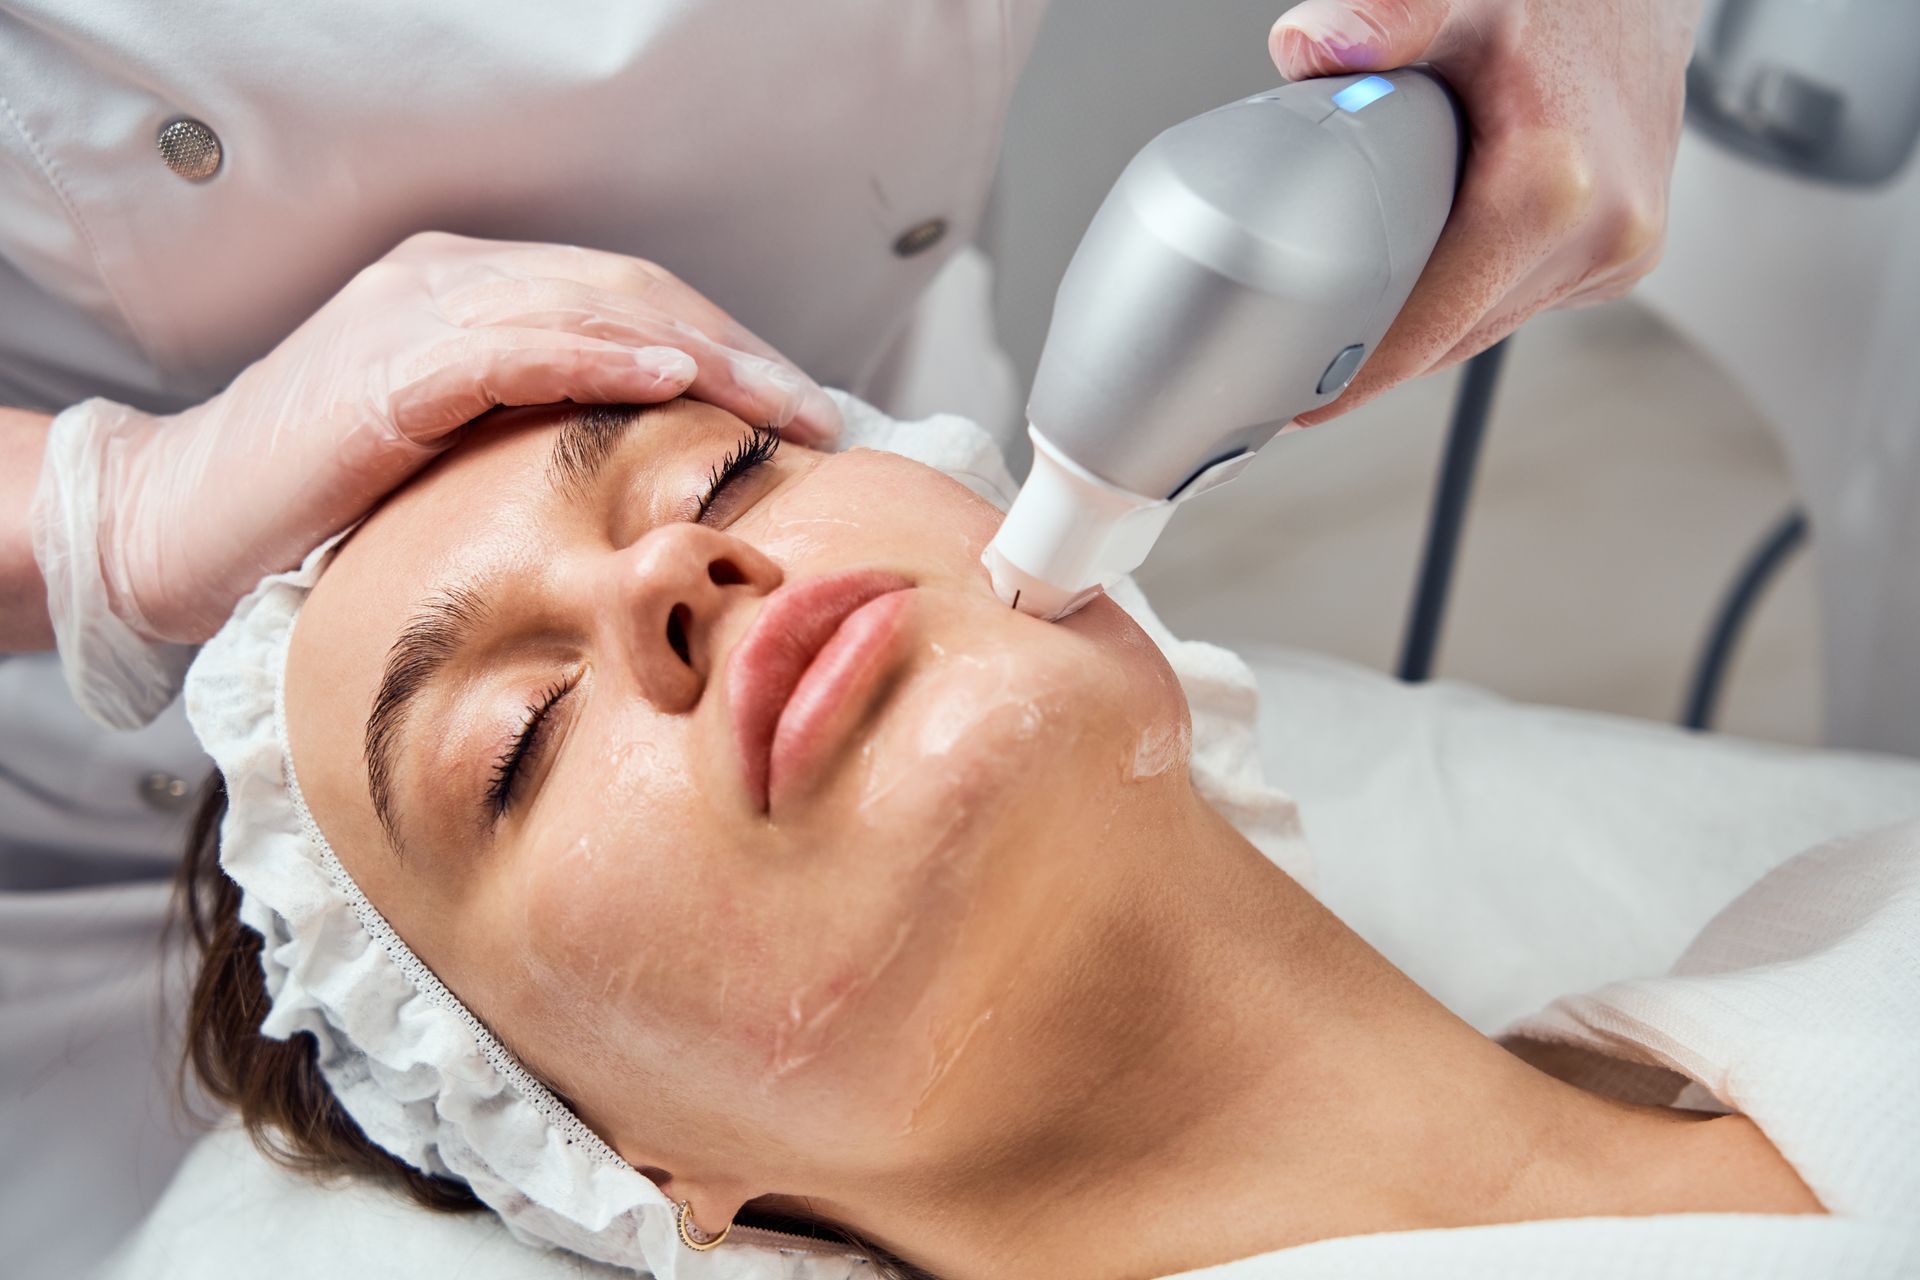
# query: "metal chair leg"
1716,656
1472,405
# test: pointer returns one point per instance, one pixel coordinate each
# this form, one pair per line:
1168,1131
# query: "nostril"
725,573
677,632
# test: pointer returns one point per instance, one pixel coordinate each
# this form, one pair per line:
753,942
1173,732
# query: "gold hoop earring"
693,1237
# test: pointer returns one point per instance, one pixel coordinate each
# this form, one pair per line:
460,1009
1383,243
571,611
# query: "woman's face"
729,816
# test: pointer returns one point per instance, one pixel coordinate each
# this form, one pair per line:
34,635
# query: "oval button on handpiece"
1340,372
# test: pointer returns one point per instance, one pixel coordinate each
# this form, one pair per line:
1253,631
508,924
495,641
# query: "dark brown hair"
275,1086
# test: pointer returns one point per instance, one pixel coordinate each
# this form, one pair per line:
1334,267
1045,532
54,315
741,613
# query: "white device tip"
1068,535
1021,590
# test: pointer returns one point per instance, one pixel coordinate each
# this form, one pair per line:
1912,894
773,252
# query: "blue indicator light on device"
1362,93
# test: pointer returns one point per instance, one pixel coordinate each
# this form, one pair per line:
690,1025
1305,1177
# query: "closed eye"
756,447
523,752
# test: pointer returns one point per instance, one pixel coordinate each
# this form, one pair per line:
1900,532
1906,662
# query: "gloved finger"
1333,37
455,381
456,263
759,390
655,284
1511,212
768,393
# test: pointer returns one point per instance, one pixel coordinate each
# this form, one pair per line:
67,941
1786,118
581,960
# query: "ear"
715,1202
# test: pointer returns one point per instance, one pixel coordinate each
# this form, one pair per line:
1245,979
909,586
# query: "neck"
1215,1067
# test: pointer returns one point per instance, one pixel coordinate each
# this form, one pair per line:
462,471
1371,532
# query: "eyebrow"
438,631
445,624
587,439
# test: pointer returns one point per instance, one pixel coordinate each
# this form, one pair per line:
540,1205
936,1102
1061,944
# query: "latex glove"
148,530
1574,111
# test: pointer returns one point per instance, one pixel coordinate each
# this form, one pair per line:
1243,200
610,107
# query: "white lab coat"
772,154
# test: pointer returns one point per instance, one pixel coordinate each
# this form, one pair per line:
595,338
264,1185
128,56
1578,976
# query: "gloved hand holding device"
1574,108
147,530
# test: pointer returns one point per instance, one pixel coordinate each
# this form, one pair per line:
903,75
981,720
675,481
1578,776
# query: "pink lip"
814,644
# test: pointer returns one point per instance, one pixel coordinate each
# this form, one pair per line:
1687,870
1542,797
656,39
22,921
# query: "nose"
673,588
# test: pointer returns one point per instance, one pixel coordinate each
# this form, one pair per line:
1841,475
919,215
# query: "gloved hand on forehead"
1574,110
149,529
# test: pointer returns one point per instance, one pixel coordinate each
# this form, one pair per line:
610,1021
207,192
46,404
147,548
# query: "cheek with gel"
1161,746
617,903
863,507
792,536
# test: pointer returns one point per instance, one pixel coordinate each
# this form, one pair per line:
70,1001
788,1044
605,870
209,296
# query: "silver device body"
1243,267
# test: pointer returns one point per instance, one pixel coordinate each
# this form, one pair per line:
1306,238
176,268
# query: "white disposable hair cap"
415,1069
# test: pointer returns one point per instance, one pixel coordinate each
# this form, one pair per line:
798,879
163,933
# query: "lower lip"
823,706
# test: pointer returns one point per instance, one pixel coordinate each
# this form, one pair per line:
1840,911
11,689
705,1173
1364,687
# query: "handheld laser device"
1240,272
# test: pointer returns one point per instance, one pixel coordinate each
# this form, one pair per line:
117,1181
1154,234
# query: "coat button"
190,149
165,792
920,237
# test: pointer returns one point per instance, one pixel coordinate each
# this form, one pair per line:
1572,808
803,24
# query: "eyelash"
756,447
506,769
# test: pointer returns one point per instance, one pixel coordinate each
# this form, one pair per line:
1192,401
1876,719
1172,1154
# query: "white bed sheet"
1505,854
1501,854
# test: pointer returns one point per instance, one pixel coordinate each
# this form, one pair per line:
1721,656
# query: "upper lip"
768,662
